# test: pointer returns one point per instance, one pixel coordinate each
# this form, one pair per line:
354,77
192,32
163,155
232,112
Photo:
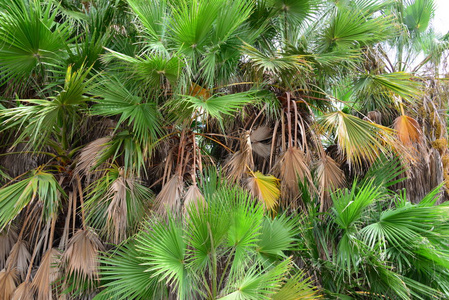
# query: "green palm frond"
349,205
418,14
31,40
150,69
217,107
125,277
390,85
192,22
40,186
207,229
38,119
294,11
151,14
255,284
276,236
163,251
351,28
297,287
143,118
357,139
278,63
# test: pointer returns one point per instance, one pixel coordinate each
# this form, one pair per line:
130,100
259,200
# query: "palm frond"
297,287
8,238
257,285
390,85
350,28
47,274
357,139
292,168
265,188
116,204
19,258
330,177
31,40
126,277
277,236
142,117
23,292
40,186
81,260
418,14
8,283
163,252
169,198
408,130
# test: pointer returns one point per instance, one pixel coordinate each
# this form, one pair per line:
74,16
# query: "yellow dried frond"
266,188
408,130
359,140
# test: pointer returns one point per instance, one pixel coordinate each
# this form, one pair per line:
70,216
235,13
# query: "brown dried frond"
374,116
8,238
47,274
81,257
19,258
291,167
408,130
330,177
241,160
89,155
8,283
257,137
198,91
170,195
24,291
193,196
117,211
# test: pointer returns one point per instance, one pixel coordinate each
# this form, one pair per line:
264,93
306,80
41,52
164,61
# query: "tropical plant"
116,116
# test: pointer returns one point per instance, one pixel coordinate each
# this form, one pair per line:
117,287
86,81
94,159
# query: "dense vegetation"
223,149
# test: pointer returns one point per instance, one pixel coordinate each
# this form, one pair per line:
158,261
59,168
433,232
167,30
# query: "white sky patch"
441,20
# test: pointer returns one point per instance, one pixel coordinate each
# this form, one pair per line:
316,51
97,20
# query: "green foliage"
40,187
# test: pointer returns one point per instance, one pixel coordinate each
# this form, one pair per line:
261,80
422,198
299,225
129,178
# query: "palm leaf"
40,186
408,130
31,40
142,117
277,236
297,287
357,139
255,284
126,277
163,252
265,188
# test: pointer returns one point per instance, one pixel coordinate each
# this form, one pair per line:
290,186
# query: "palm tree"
226,248
113,112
